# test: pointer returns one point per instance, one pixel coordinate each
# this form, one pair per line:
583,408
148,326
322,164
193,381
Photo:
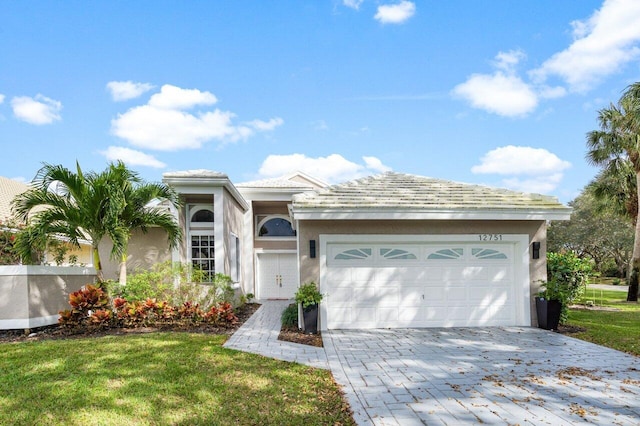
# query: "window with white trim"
235,258
201,239
274,226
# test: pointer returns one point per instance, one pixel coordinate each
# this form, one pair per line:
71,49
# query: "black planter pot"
548,313
310,316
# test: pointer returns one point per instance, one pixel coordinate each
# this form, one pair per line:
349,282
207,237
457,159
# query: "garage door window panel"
484,253
397,254
354,254
447,254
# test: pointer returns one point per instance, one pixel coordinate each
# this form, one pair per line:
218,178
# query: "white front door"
277,275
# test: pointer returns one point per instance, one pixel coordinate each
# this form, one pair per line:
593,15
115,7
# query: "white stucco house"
388,251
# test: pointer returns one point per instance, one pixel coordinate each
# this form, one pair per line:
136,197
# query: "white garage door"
429,281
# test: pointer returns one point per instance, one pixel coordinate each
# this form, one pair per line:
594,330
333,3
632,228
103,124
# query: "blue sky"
500,93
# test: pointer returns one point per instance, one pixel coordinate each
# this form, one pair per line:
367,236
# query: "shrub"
91,308
567,279
289,316
570,272
308,295
221,315
177,283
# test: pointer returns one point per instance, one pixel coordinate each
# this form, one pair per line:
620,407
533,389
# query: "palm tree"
133,198
86,206
616,143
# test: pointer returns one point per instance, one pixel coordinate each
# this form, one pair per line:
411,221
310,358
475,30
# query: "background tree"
618,142
596,231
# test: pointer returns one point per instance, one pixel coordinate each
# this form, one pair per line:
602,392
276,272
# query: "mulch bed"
294,335
51,332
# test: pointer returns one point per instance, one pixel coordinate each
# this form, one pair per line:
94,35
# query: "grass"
159,379
618,329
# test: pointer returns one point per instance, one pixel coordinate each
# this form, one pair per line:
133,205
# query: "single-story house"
391,250
11,188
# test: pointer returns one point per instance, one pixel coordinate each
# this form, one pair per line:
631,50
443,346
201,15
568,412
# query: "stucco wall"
311,230
145,250
233,223
32,296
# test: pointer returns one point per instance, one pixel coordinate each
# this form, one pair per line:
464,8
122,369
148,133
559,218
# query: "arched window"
201,239
201,218
202,215
275,226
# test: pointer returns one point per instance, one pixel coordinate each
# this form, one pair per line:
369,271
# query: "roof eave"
185,185
440,214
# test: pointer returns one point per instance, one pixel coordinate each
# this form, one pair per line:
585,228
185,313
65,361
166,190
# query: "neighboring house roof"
297,180
9,189
281,188
200,182
404,196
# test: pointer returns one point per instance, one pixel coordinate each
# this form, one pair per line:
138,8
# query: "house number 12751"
490,237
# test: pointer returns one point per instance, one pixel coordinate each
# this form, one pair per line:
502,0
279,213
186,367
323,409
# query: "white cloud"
499,93
353,4
538,185
520,160
163,124
125,90
265,126
374,163
172,97
602,45
543,169
395,13
507,61
39,110
1,98
132,157
333,168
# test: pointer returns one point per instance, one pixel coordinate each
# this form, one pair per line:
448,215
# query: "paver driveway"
482,375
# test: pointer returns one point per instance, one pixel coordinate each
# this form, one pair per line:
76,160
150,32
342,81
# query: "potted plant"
549,304
308,296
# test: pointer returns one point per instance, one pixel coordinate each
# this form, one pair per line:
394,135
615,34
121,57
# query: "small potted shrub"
551,300
308,296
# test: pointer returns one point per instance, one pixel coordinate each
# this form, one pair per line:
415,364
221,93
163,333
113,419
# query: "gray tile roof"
280,182
9,188
198,173
397,191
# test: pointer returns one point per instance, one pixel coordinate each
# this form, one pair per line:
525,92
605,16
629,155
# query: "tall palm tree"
133,198
86,206
617,142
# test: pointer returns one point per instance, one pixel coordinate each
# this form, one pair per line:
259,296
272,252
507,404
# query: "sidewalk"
259,335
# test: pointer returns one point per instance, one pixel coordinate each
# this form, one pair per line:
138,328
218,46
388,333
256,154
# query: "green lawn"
159,379
616,329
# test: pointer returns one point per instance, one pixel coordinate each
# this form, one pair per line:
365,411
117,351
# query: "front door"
277,275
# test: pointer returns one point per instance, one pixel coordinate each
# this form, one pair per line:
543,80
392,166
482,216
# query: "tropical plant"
289,316
89,206
308,295
132,197
611,147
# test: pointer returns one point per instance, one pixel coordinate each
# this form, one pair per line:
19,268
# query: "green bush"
308,294
567,277
290,316
176,283
570,272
